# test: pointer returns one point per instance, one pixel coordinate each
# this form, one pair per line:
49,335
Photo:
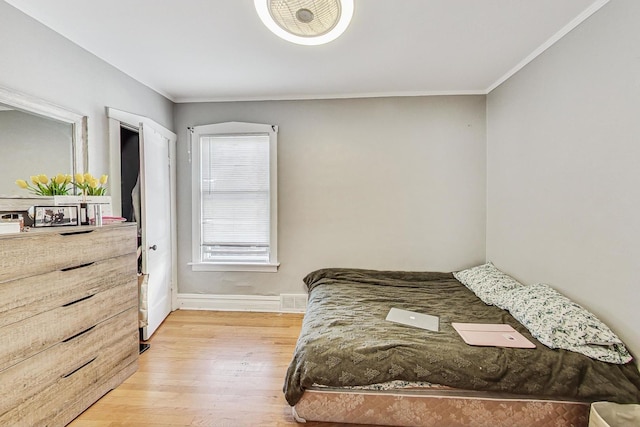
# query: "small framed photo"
55,216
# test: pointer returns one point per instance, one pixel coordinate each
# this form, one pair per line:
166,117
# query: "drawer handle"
78,300
78,334
77,266
71,233
78,368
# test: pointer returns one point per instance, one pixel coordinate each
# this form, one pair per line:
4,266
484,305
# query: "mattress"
437,408
346,346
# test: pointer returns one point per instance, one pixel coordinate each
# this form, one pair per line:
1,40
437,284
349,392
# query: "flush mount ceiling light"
307,22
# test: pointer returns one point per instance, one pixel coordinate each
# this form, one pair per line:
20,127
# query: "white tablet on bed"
492,335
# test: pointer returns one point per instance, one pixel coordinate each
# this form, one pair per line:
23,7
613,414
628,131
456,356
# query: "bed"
350,365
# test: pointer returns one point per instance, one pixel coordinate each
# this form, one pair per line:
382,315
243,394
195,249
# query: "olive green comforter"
346,341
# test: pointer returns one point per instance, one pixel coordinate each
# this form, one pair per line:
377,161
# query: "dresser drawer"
53,401
23,298
90,394
35,334
43,251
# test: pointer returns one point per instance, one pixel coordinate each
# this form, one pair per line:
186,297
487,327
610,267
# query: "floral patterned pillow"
558,322
489,284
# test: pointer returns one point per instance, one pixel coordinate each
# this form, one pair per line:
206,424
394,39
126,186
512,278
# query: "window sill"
239,266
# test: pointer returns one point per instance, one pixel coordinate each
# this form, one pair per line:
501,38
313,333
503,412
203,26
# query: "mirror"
37,137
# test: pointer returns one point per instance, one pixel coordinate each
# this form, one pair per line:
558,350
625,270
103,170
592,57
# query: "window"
234,197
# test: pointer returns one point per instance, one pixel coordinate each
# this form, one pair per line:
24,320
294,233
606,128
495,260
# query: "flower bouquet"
89,185
41,185
60,185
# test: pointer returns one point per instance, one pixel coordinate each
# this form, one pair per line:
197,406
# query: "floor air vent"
293,302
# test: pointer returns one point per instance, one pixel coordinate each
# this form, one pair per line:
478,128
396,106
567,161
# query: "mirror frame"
40,107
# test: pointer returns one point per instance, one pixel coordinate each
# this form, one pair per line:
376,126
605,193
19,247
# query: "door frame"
118,118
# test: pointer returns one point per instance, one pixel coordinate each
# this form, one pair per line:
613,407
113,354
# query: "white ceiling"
209,50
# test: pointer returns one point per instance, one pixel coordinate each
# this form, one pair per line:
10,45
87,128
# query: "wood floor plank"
206,369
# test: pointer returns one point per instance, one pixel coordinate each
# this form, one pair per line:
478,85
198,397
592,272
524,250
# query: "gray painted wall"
39,62
393,183
563,169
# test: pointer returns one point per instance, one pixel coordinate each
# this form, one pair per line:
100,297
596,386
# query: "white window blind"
235,198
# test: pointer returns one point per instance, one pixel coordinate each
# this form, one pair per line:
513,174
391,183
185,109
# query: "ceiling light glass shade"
306,22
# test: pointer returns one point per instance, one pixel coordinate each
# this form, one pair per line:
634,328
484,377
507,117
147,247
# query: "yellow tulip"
22,183
79,178
43,179
60,179
93,183
34,179
103,179
67,179
88,176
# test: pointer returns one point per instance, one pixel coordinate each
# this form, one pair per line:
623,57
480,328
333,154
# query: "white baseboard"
229,302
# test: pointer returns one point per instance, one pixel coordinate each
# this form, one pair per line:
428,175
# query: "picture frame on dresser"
55,216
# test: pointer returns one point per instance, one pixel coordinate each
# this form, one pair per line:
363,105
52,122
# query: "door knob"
154,247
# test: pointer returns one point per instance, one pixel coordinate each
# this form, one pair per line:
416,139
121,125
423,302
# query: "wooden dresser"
68,320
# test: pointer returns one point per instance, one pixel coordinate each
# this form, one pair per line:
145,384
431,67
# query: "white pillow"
558,322
489,284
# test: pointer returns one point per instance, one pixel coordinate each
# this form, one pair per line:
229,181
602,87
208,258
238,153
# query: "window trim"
196,208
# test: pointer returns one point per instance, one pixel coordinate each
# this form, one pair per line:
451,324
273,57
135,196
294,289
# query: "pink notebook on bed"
492,335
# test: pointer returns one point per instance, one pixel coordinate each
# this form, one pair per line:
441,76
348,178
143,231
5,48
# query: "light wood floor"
207,368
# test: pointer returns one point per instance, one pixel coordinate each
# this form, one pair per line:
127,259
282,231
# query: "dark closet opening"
130,170
129,176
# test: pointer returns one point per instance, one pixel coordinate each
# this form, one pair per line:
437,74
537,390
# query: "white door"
155,195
